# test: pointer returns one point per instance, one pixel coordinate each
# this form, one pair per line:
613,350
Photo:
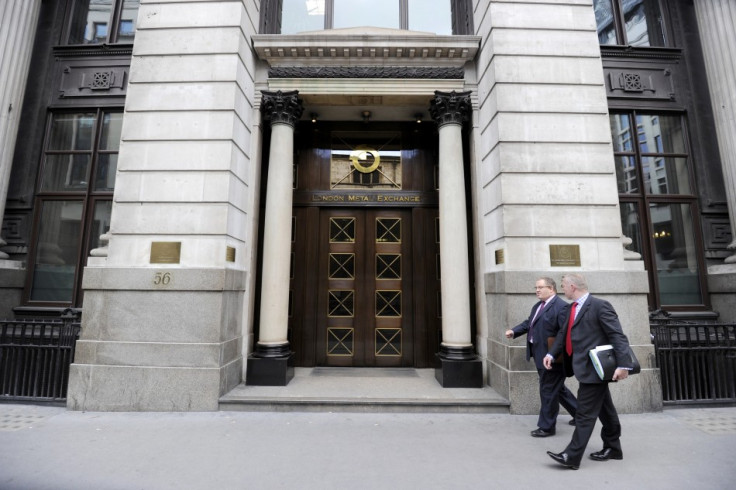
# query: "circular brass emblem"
361,162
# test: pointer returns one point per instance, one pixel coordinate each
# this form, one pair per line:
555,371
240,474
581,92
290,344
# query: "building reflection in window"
370,161
657,199
302,16
417,15
57,251
91,20
376,13
675,254
629,22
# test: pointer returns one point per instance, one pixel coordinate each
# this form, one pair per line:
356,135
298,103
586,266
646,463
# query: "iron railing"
35,356
697,361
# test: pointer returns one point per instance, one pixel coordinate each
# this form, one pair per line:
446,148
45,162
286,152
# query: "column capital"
450,107
282,107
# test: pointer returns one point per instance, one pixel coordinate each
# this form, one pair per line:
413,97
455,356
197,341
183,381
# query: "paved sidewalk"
45,447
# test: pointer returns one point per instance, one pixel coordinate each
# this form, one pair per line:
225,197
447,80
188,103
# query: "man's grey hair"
548,281
577,280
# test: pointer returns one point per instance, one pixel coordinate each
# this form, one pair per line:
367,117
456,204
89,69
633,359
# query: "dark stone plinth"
458,373
270,371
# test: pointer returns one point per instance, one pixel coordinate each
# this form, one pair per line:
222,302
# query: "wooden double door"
365,263
365,288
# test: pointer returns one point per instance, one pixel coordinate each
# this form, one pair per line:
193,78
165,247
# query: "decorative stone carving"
282,107
640,84
450,108
400,72
82,79
632,82
102,80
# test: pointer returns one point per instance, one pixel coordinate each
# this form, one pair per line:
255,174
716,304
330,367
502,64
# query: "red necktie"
570,321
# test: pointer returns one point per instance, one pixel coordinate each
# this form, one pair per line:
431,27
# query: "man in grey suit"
590,322
542,324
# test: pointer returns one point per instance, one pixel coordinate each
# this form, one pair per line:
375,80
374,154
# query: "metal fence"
35,356
697,361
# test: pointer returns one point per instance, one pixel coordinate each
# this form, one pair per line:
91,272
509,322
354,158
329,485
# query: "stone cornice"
93,50
648,53
366,47
419,72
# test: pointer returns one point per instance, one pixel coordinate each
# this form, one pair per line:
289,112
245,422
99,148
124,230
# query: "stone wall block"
181,155
197,251
638,393
548,221
550,98
187,41
135,389
529,42
555,128
184,126
149,354
182,96
178,317
546,70
199,14
170,218
190,68
542,16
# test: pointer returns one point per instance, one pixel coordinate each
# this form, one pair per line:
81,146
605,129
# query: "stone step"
399,390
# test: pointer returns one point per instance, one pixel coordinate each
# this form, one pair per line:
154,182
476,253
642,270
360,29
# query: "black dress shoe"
605,454
572,421
543,433
563,459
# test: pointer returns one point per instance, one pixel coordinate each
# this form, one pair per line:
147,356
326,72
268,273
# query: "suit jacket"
596,324
545,325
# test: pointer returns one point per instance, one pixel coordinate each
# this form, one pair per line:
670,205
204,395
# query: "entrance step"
324,389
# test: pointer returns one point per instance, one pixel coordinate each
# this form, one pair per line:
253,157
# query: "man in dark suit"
542,324
590,322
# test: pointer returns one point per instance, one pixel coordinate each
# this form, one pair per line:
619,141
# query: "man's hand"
509,334
620,374
547,361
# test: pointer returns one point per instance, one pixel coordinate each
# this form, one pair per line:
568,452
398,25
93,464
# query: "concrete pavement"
44,447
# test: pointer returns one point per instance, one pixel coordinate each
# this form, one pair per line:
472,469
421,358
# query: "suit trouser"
594,401
552,394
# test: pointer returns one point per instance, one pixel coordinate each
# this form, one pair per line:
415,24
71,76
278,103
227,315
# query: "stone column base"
270,366
270,371
458,368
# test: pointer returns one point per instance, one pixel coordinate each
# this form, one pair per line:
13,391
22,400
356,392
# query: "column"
17,32
272,363
459,366
716,20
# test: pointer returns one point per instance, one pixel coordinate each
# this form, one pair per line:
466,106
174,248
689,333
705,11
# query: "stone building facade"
230,188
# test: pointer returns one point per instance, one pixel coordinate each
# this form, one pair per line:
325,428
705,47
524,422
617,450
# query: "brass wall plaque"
230,254
165,252
499,256
564,255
